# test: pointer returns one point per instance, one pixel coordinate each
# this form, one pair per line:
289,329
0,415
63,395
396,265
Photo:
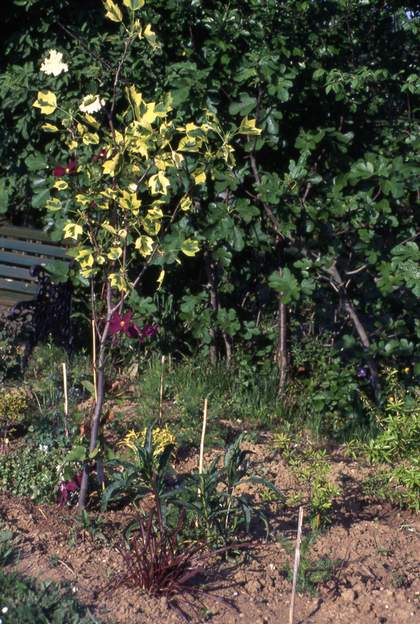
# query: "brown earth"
376,548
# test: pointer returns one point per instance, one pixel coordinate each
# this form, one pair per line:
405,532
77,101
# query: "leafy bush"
218,510
32,471
13,408
25,601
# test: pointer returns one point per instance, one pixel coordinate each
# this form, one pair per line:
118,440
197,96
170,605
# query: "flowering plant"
125,196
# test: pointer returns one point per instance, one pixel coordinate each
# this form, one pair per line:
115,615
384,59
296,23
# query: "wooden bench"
27,292
21,250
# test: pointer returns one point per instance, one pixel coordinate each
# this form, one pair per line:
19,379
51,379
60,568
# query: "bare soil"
376,548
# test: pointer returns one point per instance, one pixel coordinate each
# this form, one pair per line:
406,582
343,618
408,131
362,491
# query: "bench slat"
25,233
16,273
20,287
9,298
19,259
34,248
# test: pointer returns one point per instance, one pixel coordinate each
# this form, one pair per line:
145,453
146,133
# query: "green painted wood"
16,273
9,298
19,287
23,232
19,259
33,248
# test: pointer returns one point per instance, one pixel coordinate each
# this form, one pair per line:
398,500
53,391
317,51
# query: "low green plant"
25,601
312,573
13,409
217,508
8,549
312,469
145,472
32,471
399,485
11,353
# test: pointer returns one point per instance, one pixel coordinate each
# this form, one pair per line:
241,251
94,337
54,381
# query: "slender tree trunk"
214,303
96,419
282,352
357,324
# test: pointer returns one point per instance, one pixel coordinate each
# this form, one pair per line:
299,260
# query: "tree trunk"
282,353
214,303
357,324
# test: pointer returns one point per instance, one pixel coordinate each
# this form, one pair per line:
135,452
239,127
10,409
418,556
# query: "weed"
312,573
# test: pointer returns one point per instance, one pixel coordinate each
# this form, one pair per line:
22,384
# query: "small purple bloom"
362,372
67,488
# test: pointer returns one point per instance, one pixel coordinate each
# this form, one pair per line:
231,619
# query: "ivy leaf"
190,247
113,11
46,101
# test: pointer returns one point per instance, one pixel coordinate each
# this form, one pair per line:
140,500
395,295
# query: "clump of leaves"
13,408
312,469
8,551
154,559
312,573
132,480
25,601
33,472
216,508
399,485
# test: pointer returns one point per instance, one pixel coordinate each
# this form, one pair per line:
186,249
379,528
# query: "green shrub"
25,601
33,472
13,408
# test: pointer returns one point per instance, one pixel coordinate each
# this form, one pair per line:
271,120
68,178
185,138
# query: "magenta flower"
68,488
123,324
60,171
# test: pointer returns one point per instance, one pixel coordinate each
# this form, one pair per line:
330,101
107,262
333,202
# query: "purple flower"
123,324
362,372
67,488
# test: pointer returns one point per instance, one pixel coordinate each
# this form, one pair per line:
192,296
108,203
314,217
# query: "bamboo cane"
94,360
296,565
161,392
66,400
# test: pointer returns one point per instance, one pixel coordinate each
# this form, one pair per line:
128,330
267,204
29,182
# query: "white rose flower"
53,64
91,104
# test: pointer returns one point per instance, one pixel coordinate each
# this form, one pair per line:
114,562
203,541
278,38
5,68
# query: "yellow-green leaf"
190,247
160,278
248,127
129,201
61,185
114,253
46,101
49,127
199,177
72,230
144,244
113,11
134,5
185,203
158,183
53,204
110,166
91,138
118,281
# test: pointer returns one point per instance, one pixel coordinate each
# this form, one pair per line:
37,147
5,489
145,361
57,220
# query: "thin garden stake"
95,385
161,392
66,400
203,435
296,565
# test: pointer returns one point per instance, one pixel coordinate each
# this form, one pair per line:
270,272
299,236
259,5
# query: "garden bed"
362,568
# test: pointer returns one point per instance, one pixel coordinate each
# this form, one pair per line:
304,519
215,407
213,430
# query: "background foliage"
320,209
